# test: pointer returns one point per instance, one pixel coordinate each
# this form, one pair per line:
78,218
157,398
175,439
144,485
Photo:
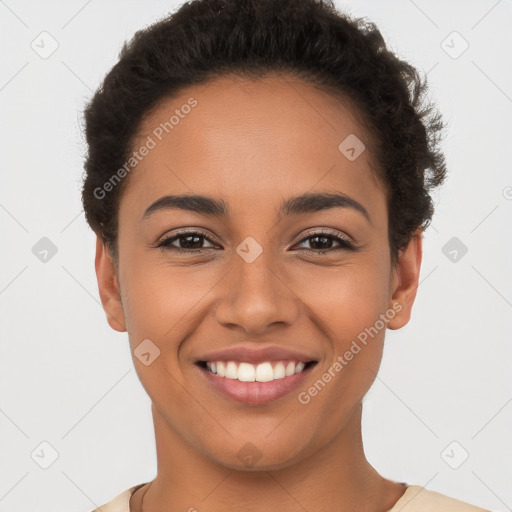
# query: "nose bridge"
255,295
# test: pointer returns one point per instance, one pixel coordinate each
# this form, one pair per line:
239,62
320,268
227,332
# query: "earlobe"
108,287
405,281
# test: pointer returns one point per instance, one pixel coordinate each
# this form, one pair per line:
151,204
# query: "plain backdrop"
440,411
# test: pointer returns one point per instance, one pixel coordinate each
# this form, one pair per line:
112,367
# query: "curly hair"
205,39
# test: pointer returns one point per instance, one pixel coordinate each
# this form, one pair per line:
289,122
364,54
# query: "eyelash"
345,244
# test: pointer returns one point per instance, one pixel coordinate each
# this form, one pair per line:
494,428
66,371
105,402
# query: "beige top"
415,499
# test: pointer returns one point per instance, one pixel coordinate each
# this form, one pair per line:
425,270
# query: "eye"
325,238
187,241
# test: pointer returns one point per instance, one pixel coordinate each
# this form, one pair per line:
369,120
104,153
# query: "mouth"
255,384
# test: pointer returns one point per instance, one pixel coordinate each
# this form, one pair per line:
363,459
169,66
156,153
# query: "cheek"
349,299
160,299
349,305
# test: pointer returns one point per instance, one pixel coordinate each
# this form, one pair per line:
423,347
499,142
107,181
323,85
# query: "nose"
255,296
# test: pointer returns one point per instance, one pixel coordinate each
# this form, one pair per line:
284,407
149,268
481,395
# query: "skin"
253,144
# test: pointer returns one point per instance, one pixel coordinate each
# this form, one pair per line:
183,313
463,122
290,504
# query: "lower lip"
256,393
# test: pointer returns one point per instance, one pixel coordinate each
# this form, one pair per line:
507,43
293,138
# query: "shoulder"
419,499
121,503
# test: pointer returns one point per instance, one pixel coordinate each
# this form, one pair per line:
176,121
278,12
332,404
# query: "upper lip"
255,356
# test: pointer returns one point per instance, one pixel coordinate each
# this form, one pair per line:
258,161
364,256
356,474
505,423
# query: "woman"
258,178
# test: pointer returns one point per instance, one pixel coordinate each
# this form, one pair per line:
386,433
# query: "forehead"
254,137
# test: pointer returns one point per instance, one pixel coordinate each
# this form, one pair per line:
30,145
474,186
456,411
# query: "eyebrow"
304,203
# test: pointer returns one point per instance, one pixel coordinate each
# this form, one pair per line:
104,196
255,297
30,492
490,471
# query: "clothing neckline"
410,492
409,489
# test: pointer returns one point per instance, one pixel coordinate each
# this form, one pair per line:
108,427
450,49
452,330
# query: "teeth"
231,371
247,372
279,371
264,372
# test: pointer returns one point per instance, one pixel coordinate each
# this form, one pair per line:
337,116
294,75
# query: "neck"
338,476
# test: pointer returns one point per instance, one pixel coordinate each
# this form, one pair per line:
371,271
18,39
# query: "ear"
404,282
108,287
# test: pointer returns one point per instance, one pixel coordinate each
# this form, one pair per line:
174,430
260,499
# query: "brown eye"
322,241
189,242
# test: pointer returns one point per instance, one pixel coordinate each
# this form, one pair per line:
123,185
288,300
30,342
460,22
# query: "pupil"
323,239
190,245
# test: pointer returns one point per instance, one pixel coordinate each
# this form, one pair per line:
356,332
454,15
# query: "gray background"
67,379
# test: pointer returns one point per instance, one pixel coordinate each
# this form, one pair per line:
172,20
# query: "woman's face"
267,277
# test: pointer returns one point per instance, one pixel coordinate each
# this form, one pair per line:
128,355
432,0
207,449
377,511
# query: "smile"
255,384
